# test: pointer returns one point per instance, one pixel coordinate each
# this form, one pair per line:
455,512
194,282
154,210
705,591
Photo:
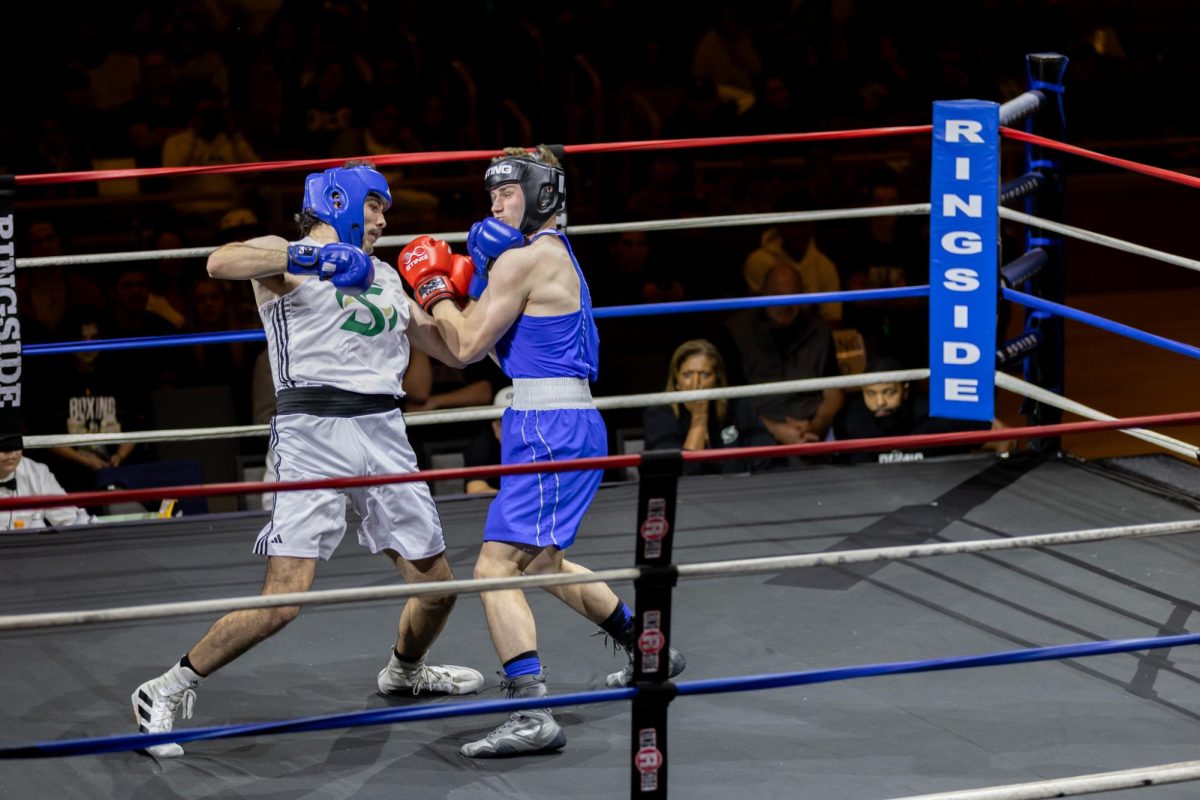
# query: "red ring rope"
444,156
1157,172
601,462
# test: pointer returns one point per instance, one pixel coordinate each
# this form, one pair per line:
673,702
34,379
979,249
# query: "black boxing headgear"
544,187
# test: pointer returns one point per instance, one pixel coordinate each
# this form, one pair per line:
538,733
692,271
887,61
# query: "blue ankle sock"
527,663
619,625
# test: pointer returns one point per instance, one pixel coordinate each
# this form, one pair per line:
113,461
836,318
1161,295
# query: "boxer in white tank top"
338,326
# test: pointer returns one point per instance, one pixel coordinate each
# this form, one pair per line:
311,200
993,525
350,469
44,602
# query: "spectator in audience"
85,397
20,476
140,371
381,135
779,110
212,364
329,100
793,245
166,278
891,408
727,55
704,424
54,146
887,253
157,112
210,139
780,343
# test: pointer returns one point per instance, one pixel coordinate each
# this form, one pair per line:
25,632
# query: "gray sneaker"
529,731
155,704
625,676
398,677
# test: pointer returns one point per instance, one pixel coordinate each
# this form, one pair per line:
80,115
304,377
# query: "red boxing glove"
426,265
462,270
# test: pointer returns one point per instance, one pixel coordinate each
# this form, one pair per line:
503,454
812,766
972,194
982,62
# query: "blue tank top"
562,346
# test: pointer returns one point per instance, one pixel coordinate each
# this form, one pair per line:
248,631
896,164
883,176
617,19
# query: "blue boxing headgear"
545,187
337,195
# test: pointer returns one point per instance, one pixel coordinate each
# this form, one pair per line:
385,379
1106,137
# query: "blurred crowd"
211,82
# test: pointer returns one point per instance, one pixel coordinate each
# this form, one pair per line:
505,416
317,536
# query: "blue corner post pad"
963,258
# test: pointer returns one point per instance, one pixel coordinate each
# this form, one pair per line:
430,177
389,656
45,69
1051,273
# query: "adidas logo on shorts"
277,539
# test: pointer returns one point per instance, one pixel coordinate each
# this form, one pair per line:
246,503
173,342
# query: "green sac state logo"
380,320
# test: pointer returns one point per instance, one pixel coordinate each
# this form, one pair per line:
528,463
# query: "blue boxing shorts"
545,509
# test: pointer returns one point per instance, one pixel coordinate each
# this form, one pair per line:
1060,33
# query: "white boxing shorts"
311,523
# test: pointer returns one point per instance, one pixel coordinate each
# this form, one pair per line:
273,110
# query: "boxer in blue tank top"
526,302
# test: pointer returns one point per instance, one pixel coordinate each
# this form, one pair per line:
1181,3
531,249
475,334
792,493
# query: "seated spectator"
793,245
26,477
85,395
704,424
484,449
210,311
892,409
166,298
139,371
887,253
783,343
80,394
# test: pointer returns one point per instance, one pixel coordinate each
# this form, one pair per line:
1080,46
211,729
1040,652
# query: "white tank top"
318,336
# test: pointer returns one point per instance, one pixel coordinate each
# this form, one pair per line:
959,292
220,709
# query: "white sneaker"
418,678
533,730
155,704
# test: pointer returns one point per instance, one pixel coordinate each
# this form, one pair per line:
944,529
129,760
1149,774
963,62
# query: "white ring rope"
1099,238
109,258
1026,389
725,221
399,240
697,570
1082,784
480,413
494,412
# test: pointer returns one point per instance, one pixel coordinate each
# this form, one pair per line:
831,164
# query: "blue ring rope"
1102,323
609,312
734,303
354,719
52,348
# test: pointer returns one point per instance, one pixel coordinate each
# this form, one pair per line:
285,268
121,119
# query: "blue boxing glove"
345,266
485,242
